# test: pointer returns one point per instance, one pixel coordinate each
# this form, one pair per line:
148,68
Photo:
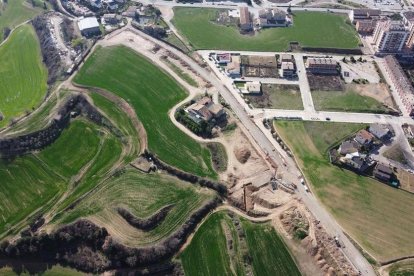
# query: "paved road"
304,84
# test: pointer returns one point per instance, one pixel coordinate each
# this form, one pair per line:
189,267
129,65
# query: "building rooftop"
408,15
244,16
288,66
321,61
88,23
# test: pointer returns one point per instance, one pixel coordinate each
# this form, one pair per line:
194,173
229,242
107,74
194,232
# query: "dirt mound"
242,154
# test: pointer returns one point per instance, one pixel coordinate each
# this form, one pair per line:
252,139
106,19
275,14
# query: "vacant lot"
278,96
208,253
142,194
312,29
259,66
377,216
22,74
15,12
152,93
403,268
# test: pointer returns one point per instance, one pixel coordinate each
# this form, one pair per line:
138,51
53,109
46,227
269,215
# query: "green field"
75,163
208,253
377,216
311,29
142,194
277,96
152,93
22,74
348,100
15,12
403,268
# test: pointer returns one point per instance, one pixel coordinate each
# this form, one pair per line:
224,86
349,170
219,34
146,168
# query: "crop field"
15,12
22,74
269,254
142,194
347,100
311,29
152,93
277,96
377,216
36,182
208,253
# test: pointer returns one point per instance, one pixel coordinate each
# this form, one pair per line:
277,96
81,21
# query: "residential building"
95,4
272,18
408,20
253,87
349,147
89,26
233,69
364,14
130,11
390,36
401,83
285,58
326,66
380,131
365,27
356,161
246,23
205,110
223,58
364,138
234,13
383,172
288,69
112,19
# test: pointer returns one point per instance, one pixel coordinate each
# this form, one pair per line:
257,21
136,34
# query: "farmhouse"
272,18
89,26
205,110
379,131
364,138
324,66
246,23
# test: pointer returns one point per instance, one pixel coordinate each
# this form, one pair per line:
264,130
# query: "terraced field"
22,74
152,93
142,194
361,205
208,253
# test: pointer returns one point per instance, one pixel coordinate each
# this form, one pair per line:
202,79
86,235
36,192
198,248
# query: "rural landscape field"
356,201
310,29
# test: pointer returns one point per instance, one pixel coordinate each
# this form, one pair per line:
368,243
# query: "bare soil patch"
242,154
378,91
325,83
259,66
406,180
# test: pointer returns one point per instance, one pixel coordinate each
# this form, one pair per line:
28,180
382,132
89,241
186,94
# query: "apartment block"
390,36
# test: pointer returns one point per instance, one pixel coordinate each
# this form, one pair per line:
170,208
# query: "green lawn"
143,194
152,93
377,216
311,29
403,268
15,12
277,96
348,100
22,74
208,253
